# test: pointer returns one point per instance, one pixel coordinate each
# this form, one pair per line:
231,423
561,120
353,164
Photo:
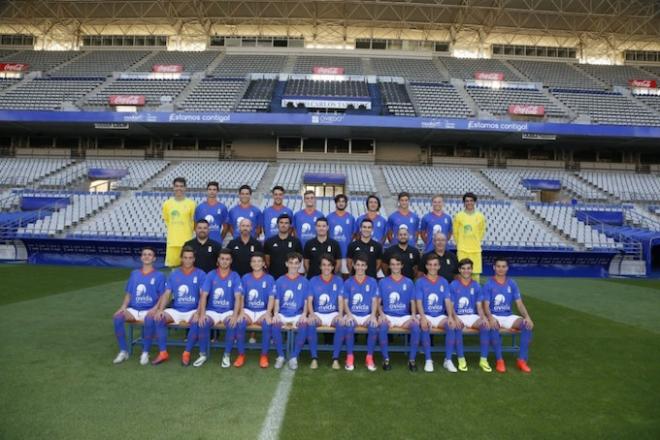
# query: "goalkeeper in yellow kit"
469,231
179,218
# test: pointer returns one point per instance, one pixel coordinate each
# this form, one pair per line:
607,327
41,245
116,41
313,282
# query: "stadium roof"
628,18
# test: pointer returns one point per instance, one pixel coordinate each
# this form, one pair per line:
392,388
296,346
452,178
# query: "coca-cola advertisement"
489,76
13,67
643,83
136,100
320,70
167,68
526,110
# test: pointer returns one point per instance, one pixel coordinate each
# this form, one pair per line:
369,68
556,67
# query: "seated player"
466,299
325,309
434,310
221,302
258,302
291,292
498,295
360,309
142,293
397,294
183,286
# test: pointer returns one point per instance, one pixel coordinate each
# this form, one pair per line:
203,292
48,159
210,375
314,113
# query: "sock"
450,341
301,334
414,341
496,340
484,341
459,342
276,332
241,328
382,339
337,341
312,339
161,332
525,339
265,337
426,344
204,329
230,333
120,332
372,337
349,335
193,336
148,333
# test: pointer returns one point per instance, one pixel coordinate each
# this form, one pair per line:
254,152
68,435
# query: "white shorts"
253,315
398,321
178,316
361,321
326,318
468,320
289,319
507,321
219,317
435,320
344,266
138,315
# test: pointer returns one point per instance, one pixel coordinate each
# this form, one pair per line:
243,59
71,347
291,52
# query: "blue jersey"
238,213
465,297
216,215
257,291
144,289
410,222
185,288
432,224
432,294
269,220
380,227
222,291
291,294
325,294
500,296
396,295
360,295
341,230
305,224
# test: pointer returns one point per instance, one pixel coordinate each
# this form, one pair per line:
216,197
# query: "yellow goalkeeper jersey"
469,230
179,217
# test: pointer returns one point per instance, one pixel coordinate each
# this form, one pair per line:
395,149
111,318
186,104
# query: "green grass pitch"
595,360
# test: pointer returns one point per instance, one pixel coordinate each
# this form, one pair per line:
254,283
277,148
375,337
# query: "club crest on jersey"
263,285
195,280
153,281
334,287
366,288
508,289
299,286
229,283
471,290
290,244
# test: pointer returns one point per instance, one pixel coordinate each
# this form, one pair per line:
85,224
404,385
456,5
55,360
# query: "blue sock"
265,337
372,337
161,332
276,332
240,336
204,336
426,344
382,339
193,336
414,341
301,334
120,332
337,341
230,333
148,333
496,340
459,342
349,334
450,341
484,341
525,339
312,338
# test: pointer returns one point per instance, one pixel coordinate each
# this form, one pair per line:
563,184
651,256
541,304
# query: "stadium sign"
643,83
526,110
13,67
167,68
489,76
320,70
135,100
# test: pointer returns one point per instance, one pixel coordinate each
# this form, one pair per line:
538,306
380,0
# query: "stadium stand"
625,186
351,65
258,96
47,93
41,60
396,99
556,74
652,101
411,69
138,172
433,180
238,66
6,53
214,94
309,87
21,172
613,75
191,61
359,179
155,91
7,82
497,101
440,99
230,175
100,62
465,68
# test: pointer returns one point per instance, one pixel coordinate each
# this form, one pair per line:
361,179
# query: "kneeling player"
499,294
221,302
466,298
142,293
435,310
292,290
183,285
360,299
325,309
259,299
397,295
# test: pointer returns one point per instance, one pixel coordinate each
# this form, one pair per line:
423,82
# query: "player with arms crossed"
179,218
214,212
469,229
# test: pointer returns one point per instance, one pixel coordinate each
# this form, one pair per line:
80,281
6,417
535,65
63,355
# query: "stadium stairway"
386,198
195,79
593,78
149,185
442,68
459,85
266,184
518,73
216,62
611,198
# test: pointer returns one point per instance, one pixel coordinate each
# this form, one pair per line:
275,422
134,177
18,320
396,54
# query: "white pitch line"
270,430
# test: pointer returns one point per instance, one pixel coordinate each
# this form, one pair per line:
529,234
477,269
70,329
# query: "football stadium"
395,219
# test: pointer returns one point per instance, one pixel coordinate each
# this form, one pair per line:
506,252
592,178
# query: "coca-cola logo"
126,100
489,76
13,67
644,83
167,68
527,109
328,70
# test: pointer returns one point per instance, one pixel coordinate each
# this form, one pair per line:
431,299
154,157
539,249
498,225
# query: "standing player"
325,309
279,246
305,219
341,224
142,293
183,287
290,308
214,212
259,300
403,218
318,246
366,245
360,309
435,221
243,247
379,222
435,310
466,299
179,218
499,293
469,231
273,212
397,294
244,209
222,293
